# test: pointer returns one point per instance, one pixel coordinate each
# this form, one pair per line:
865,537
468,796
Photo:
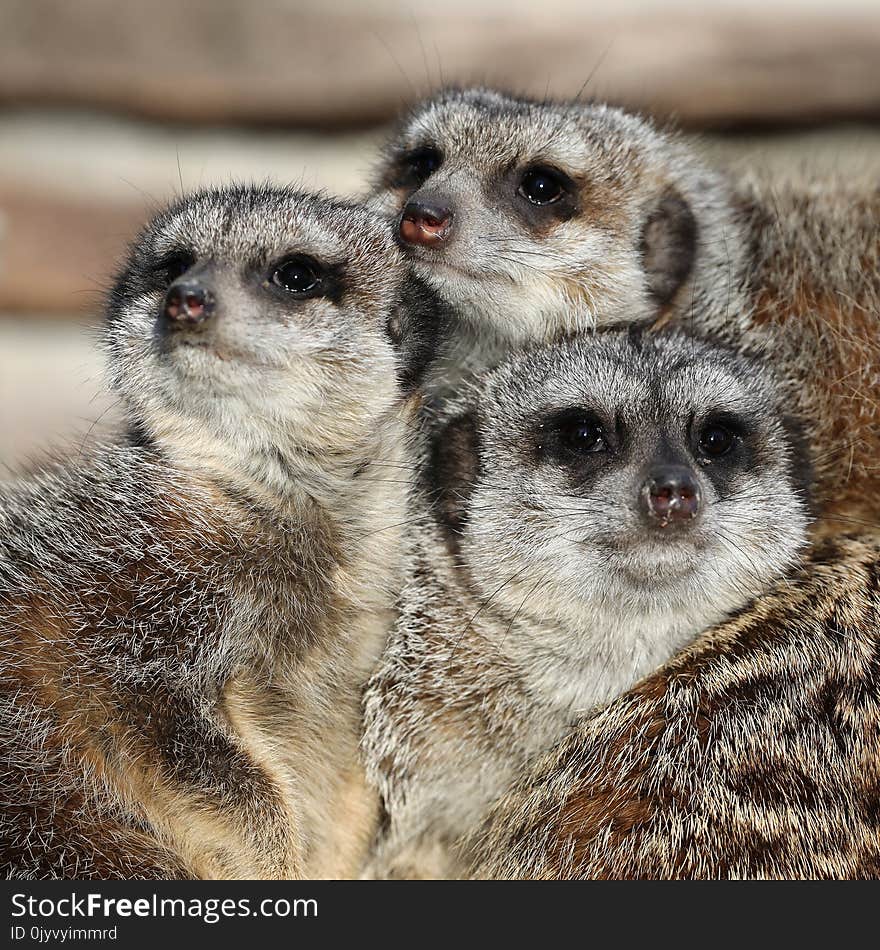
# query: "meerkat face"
613,472
261,314
539,217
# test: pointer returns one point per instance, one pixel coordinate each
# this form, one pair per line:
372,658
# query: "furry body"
536,589
753,754
188,615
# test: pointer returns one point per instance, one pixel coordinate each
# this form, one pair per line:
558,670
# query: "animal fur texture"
755,753
640,230
539,584
189,613
811,308
752,753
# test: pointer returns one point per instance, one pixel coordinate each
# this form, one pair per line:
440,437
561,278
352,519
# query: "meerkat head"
537,217
256,318
646,475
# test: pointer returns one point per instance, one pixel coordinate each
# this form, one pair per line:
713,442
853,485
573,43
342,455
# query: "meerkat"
535,219
590,508
755,753
189,613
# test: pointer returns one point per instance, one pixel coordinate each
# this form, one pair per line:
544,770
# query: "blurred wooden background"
108,107
335,62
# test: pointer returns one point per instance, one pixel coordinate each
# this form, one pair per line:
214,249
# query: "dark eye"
173,266
541,186
297,275
716,440
581,435
423,162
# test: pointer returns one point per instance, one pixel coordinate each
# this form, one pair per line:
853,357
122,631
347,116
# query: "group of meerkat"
520,521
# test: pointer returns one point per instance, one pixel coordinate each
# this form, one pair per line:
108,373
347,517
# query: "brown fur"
126,776
788,270
753,754
786,267
535,584
811,306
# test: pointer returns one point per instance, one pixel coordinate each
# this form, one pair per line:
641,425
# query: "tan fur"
787,268
282,794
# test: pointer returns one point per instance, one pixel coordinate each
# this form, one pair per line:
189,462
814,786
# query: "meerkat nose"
188,304
670,494
425,224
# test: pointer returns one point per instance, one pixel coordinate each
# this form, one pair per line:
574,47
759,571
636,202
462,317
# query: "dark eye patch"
725,445
544,195
297,275
414,167
172,266
542,186
716,441
718,435
572,436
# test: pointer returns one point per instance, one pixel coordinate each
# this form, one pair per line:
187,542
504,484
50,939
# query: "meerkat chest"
301,725
572,670
551,676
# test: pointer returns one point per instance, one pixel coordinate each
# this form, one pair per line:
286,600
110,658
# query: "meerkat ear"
668,246
453,469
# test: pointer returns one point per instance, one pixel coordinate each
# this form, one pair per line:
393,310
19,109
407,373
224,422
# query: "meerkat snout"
670,495
208,591
425,222
188,304
632,462
240,329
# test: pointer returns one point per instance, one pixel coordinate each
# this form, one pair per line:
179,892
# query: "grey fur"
752,754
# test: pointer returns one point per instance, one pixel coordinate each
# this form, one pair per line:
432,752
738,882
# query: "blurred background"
110,107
